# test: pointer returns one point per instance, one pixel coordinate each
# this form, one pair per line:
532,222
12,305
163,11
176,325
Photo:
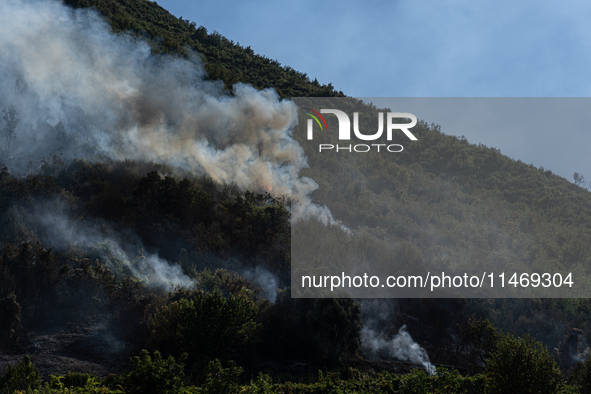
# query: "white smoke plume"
91,93
380,313
55,226
400,347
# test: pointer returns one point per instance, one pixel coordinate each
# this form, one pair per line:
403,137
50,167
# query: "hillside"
125,229
513,196
224,59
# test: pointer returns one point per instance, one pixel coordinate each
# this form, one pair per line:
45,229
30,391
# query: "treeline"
224,60
517,365
167,214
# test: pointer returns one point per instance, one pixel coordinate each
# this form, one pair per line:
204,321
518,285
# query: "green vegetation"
516,366
522,365
459,205
155,375
21,376
207,325
318,329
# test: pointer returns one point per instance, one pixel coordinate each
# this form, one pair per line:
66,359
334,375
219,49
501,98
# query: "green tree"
521,365
22,376
221,380
323,329
578,179
581,376
478,341
155,375
205,325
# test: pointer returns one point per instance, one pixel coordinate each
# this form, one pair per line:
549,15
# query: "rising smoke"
377,345
265,279
85,92
88,93
55,226
400,347
91,93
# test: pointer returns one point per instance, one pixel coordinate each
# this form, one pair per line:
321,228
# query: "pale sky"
428,49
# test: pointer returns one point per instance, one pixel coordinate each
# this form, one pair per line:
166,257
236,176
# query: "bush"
581,376
155,375
22,376
221,380
77,379
521,365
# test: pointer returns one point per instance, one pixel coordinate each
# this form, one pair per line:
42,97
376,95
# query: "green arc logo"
315,115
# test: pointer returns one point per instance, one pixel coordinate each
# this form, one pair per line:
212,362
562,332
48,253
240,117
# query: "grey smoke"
379,314
264,279
88,93
55,227
400,347
79,87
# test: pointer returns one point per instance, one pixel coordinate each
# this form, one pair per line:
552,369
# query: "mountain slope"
223,58
91,235
443,200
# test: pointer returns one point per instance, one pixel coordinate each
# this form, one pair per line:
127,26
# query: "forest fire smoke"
91,93
377,315
57,228
399,347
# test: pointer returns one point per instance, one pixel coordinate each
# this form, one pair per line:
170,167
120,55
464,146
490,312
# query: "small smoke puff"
264,279
400,347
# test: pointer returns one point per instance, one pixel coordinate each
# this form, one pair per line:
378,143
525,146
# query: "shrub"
221,380
521,365
581,376
22,376
155,375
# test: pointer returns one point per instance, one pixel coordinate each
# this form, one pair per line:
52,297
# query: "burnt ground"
91,349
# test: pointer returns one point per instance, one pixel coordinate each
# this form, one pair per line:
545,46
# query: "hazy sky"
428,49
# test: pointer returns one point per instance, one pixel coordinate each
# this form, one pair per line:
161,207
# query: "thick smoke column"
91,93
64,69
